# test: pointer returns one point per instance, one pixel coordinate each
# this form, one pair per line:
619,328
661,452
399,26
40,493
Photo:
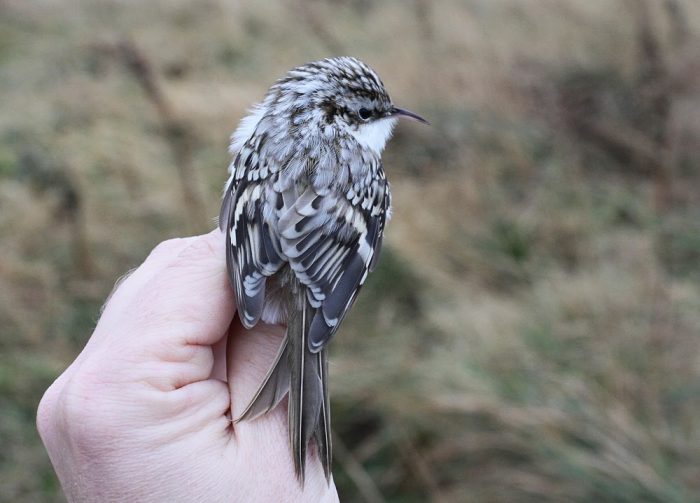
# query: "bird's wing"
332,241
252,250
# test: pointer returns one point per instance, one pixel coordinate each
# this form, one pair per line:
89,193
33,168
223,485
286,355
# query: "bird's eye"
364,113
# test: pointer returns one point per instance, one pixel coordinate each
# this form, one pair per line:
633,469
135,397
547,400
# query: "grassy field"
532,333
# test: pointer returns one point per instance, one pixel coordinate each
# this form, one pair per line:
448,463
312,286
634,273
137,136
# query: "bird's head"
341,96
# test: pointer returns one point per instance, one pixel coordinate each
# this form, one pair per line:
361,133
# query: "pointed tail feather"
304,375
322,434
274,387
306,390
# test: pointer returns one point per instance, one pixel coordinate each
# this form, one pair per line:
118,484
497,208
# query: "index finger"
189,300
163,329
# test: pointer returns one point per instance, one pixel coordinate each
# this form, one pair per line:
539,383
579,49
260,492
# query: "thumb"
161,330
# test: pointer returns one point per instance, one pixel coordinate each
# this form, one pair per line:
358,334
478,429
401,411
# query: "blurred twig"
59,180
318,26
612,137
632,118
420,468
177,133
364,483
680,29
653,69
654,76
423,12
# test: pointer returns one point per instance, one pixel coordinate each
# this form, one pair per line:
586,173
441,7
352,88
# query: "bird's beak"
408,113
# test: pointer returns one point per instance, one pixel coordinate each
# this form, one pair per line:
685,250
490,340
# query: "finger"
123,291
188,301
164,333
131,282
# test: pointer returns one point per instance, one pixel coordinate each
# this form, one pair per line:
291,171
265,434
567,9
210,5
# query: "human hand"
141,414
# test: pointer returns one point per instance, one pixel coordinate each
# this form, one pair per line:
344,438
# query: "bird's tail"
303,375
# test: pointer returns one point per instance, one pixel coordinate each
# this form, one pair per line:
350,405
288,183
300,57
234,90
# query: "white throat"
374,135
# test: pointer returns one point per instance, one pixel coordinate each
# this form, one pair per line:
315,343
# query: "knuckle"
166,248
160,303
46,412
204,247
75,409
87,408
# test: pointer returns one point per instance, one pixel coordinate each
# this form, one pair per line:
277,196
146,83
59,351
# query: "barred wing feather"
331,245
330,240
251,252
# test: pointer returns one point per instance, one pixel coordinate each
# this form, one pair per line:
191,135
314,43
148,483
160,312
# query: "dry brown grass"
532,333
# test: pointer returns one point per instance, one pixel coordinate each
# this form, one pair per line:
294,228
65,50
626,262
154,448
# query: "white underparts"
374,135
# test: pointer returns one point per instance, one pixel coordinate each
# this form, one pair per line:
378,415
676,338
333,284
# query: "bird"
304,212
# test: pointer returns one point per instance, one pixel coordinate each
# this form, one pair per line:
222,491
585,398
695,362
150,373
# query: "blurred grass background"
533,330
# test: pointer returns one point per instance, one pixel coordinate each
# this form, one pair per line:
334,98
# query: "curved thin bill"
408,113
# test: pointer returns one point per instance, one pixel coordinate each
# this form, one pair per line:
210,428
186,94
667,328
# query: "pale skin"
142,412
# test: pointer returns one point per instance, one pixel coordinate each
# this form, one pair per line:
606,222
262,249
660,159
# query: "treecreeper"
304,212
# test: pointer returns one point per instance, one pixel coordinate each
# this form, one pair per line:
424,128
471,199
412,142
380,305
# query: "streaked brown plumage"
304,213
